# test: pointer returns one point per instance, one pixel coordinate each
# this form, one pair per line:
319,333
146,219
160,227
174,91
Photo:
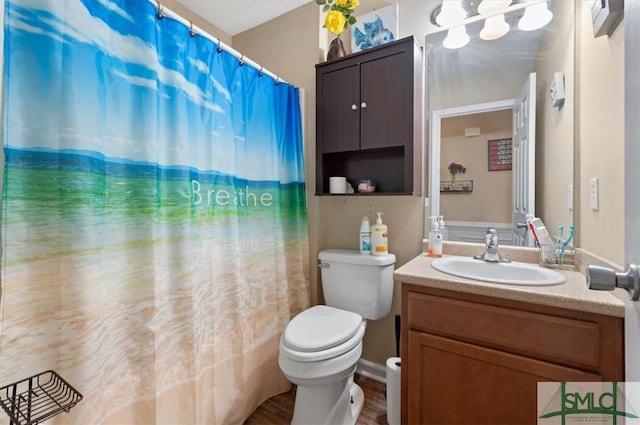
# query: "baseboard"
372,370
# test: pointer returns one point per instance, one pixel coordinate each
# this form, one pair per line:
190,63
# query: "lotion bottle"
437,243
433,221
365,236
443,229
379,234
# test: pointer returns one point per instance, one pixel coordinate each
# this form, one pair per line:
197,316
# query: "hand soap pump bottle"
365,236
433,223
437,243
443,229
379,234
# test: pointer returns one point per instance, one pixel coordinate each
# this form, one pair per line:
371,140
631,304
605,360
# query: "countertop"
573,294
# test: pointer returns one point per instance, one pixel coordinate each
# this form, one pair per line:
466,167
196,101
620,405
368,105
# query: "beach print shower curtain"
154,229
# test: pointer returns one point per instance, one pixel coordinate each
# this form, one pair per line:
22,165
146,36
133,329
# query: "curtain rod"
162,10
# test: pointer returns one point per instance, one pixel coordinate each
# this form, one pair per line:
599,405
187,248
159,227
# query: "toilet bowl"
321,346
319,352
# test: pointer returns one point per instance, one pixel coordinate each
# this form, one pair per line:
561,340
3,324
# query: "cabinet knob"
354,107
363,105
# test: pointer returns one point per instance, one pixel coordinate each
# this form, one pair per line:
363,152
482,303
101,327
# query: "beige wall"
490,200
555,126
291,45
599,137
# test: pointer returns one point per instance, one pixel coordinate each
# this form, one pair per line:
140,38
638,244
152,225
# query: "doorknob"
606,279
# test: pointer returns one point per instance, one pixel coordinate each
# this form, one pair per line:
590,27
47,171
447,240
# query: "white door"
524,160
606,279
632,180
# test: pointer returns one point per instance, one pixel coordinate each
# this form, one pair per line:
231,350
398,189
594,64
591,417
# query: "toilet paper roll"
337,185
393,390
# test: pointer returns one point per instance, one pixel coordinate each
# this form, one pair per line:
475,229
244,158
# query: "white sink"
513,273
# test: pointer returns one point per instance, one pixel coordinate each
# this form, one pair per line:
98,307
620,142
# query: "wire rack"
37,398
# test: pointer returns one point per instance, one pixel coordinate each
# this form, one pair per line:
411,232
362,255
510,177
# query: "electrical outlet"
570,197
595,194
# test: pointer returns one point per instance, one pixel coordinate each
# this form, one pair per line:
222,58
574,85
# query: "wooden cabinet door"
387,118
339,129
452,382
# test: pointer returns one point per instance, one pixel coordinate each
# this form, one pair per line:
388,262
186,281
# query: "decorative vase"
336,49
453,177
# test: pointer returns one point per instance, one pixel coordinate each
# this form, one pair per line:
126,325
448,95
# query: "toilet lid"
319,328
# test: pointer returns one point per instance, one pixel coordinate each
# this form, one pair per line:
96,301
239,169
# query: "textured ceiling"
236,16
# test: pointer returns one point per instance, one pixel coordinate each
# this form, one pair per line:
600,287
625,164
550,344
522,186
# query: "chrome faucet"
491,253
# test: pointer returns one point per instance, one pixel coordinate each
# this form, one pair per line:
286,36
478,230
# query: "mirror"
471,95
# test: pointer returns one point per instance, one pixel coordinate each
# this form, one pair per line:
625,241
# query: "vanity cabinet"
369,118
478,359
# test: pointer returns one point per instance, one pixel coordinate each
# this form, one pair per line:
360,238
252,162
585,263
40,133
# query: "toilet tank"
357,282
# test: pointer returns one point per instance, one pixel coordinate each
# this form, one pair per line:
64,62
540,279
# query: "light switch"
595,194
556,89
570,197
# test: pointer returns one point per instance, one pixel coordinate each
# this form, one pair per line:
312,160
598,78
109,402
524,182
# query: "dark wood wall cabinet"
369,119
477,360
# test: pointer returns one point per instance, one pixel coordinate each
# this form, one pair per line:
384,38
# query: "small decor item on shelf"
339,16
336,49
375,28
366,186
455,168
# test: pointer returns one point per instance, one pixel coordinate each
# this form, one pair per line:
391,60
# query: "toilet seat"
321,332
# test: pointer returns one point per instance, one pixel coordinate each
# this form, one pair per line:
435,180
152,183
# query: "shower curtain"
154,229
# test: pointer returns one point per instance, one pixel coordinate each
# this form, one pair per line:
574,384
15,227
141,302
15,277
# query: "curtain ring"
219,50
260,72
191,32
277,80
159,14
241,60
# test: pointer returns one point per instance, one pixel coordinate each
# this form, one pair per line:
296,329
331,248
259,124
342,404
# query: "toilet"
321,346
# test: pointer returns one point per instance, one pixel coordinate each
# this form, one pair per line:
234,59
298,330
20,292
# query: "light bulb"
494,27
535,17
457,37
451,13
491,7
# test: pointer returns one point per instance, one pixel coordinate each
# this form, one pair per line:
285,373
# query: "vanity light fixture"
451,13
455,14
535,17
491,7
494,27
457,37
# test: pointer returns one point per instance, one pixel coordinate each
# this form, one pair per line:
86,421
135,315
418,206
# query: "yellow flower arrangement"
339,14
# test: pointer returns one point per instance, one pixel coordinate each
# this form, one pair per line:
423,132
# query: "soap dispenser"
379,234
443,229
433,223
437,243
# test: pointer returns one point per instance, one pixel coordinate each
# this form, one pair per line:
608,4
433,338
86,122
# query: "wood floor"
278,410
